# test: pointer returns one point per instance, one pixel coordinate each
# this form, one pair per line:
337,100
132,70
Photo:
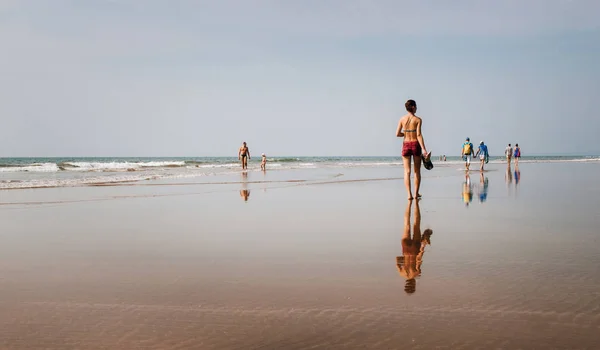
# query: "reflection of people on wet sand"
508,176
517,176
483,190
409,264
467,190
244,192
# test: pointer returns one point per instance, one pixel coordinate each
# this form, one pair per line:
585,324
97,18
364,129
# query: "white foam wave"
93,180
37,168
118,166
45,183
210,166
367,164
584,160
89,173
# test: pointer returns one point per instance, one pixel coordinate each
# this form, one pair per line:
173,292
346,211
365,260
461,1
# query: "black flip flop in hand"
426,159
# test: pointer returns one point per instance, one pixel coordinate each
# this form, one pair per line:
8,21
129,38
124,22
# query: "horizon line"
298,156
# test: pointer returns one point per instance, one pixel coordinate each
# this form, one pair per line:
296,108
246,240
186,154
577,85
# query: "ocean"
27,173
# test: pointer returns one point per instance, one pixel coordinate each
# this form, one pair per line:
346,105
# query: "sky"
296,78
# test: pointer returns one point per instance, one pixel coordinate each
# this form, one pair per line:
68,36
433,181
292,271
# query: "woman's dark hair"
410,105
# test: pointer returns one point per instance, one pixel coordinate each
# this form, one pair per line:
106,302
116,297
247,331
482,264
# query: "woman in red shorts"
413,146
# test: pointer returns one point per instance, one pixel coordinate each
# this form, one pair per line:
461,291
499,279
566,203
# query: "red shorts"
411,148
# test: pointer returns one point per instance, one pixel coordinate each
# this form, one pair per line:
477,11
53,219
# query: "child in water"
263,163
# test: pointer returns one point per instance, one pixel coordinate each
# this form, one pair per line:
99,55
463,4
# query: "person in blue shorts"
482,152
517,154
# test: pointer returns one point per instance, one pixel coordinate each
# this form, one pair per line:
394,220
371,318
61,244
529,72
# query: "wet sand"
306,259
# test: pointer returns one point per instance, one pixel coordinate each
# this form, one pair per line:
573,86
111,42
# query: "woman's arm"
420,136
399,132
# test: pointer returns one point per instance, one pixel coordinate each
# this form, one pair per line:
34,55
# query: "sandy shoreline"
307,261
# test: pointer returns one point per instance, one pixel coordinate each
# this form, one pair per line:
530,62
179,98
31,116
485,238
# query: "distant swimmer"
466,152
508,153
517,154
263,162
444,157
244,155
413,146
482,152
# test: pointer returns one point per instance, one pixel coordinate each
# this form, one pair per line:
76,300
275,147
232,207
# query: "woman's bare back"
410,127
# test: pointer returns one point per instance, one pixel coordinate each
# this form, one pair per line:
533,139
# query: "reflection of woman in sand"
409,264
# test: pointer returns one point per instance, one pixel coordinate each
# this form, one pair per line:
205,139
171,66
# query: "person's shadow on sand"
409,264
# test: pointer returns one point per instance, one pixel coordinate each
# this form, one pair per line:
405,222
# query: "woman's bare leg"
407,212
407,176
417,176
417,223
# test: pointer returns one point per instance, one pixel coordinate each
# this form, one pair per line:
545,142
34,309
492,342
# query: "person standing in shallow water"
508,153
467,152
517,154
244,155
482,152
413,146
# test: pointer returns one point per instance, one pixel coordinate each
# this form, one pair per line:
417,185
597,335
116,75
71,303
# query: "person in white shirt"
508,153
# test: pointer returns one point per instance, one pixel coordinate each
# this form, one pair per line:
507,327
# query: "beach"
302,257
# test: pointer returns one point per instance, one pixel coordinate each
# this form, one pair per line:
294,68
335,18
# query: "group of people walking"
511,152
415,152
468,151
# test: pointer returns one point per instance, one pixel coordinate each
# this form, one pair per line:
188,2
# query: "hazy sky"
312,77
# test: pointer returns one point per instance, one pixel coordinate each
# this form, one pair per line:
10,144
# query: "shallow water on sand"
307,259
